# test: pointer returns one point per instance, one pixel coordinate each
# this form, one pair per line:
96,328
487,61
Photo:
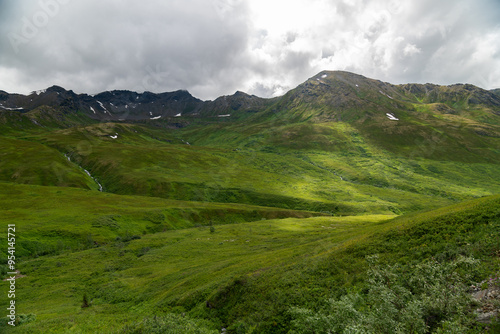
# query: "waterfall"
86,171
93,178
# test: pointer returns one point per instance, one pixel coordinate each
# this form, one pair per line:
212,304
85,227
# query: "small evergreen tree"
85,303
212,228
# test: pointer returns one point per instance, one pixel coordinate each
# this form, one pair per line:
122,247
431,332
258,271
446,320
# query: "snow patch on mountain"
381,92
102,106
392,117
19,108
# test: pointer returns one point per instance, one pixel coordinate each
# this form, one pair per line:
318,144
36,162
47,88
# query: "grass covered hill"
245,275
143,213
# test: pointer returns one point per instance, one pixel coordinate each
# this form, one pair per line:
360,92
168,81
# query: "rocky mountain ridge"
328,90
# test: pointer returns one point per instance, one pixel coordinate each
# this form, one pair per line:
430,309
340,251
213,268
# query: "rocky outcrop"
487,294
331,95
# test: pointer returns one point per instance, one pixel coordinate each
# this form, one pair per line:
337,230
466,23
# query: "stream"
86,171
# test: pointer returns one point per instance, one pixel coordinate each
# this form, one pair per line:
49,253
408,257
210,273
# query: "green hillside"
321,167
237,274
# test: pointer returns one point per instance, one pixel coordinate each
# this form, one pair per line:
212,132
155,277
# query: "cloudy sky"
262,47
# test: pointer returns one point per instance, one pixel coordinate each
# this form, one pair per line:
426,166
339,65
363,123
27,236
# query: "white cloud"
411,49
258,46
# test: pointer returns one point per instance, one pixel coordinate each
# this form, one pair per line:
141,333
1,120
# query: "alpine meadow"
346,205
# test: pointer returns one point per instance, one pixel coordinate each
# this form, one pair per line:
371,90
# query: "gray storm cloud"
214,48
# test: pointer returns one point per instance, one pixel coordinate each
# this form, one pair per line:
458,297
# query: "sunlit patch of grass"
238,269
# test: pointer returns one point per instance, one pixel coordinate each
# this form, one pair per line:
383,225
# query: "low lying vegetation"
272,276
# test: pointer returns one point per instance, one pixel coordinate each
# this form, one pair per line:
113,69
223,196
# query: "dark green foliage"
85,302
170,324
143,251
156,217
127,237
250,274
398,299
25,318
108,221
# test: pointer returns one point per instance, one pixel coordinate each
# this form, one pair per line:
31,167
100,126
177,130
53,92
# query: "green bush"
424,298
25,318
156,217
170,324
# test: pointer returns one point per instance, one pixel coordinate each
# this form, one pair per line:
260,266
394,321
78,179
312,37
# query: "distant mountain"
126,105
345,96
339,96
122,105
458,94
114,105
327,96
226,105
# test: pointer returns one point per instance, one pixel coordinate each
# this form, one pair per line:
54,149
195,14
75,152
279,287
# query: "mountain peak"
57,89
338,76
240,93
333,95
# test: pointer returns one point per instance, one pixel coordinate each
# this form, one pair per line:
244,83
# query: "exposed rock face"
489,300
332,95
465,94
239,101
127,105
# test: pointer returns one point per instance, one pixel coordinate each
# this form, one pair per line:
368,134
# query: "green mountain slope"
65,218
27,162
243,275
359,178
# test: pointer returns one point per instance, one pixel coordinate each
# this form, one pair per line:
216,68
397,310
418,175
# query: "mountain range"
337,90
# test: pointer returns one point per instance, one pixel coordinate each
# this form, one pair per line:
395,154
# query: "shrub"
156,217
170,324
25,318
85,302
399,299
